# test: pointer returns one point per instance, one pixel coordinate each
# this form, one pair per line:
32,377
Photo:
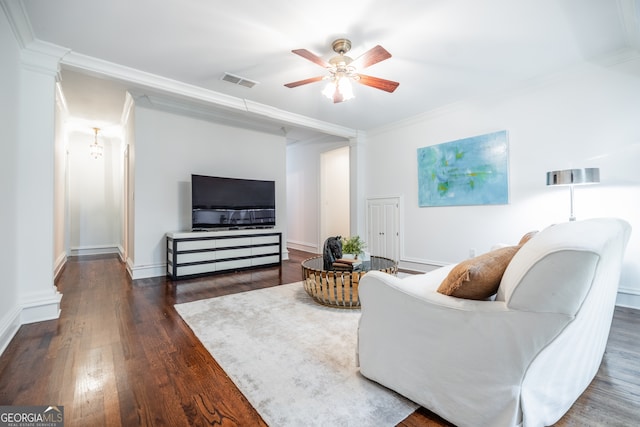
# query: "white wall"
334,208
9,83
589,117
95,195
303,194
168,149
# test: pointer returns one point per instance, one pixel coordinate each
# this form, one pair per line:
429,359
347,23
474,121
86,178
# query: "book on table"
347,264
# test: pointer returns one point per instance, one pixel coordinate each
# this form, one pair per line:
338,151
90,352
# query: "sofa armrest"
431,347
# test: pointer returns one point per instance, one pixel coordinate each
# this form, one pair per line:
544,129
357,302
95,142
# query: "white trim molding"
95,66
9,325
43,57
147,271
419,264
95,250
628,297
20,24
40,307
58,265
303,246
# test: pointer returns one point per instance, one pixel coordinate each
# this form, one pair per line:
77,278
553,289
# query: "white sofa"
522,358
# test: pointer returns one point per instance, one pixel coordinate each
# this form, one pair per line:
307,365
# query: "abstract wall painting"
469,171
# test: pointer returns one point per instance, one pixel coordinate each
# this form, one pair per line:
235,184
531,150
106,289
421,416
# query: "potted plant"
353,245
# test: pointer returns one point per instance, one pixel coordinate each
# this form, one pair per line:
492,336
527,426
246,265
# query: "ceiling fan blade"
304,82
378,83
312,57
372,56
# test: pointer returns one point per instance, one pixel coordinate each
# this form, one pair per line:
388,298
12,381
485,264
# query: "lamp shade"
573,176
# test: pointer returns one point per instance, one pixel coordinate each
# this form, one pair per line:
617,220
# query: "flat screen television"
228,203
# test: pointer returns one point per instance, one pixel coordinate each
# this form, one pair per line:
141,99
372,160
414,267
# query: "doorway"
334,194
94,194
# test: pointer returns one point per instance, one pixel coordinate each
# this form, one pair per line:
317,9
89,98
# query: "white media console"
199,253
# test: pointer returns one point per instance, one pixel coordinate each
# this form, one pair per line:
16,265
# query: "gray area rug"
292,358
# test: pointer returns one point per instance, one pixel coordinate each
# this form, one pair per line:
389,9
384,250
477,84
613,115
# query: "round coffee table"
339,288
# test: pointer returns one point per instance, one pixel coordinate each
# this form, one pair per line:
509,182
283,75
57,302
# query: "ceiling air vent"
237,80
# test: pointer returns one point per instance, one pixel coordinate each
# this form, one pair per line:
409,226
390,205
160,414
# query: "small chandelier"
95,149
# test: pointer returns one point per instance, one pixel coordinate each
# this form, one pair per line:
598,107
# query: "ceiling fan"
342,69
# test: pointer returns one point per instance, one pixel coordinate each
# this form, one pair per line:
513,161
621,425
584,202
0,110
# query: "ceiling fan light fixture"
339,89
345,88
329,90
342,69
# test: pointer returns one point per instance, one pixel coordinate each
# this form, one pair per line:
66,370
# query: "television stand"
200,253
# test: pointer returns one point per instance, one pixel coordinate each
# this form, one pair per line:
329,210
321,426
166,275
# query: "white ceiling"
444,51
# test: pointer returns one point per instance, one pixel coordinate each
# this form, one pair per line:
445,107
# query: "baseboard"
628,298
36,310
303,246
9,325
146,271
419,265
39,309
94,250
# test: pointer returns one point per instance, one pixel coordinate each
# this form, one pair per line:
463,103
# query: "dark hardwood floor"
120,355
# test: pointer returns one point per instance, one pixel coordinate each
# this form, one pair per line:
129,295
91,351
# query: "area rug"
293,359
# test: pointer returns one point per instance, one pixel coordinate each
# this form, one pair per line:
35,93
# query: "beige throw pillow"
478,278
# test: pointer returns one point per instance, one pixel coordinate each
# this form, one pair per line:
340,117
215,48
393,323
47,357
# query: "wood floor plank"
120,355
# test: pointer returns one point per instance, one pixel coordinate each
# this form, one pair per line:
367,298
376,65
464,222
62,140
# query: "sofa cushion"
479,277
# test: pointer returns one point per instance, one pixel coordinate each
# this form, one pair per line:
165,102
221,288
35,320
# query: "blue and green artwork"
469,171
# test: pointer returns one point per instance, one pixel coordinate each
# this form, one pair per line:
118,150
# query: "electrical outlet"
472,252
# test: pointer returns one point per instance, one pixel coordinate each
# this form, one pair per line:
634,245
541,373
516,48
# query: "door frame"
399,201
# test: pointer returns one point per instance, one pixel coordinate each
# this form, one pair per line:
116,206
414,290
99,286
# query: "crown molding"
20,24
299,120
203,111
180,90
35,55
608,60
331,141
43,57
